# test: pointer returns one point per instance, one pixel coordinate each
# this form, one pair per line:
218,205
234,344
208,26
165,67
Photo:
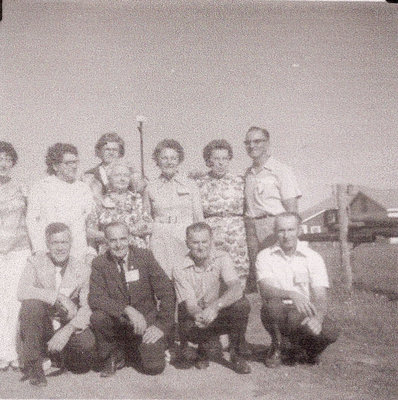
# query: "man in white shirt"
60,197
270,189
293,282
53,290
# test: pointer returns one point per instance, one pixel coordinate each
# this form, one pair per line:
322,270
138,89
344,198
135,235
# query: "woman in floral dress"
222,196
119,205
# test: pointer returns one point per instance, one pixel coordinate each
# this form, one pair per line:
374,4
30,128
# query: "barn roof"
387,198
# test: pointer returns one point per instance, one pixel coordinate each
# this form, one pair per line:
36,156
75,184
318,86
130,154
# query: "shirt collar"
177,177
189,263
269,165
60,266
301,249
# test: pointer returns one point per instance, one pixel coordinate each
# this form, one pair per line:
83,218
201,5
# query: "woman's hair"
8,148
55,155
110,137
168,144
219,144
119,163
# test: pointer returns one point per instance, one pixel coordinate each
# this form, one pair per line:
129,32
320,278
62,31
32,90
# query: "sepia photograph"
198,199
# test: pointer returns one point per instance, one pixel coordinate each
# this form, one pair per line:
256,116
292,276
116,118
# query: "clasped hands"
69,306
150,334
205,317
313,320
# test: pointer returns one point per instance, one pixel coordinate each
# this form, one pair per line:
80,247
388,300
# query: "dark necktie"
122,273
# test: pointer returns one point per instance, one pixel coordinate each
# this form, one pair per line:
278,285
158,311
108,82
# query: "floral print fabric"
222,202
127,208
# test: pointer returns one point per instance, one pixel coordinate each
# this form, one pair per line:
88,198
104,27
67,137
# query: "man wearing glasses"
270,189
60,197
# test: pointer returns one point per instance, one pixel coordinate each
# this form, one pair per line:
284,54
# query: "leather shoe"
313,359
202,363
240,365
37,377
112,364
273,359
202,360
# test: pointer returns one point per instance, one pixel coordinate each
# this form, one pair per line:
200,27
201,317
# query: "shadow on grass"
390,294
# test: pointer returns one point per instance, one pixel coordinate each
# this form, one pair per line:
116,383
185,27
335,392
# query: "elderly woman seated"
119,204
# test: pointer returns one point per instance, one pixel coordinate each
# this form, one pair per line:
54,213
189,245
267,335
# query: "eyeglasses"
255,141
70,163
6,159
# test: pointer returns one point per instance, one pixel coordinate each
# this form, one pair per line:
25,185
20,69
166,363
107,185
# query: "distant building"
363,202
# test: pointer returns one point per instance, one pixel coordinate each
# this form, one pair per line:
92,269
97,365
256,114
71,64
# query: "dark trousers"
231,320
275,313
36,330
114,335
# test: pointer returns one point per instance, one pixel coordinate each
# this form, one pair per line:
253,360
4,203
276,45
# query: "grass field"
361,365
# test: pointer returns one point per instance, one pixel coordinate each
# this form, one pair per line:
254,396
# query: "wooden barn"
363,202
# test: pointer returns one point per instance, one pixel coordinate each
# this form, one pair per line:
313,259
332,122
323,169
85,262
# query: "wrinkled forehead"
116,231
286,221
111,146
255,134
202,234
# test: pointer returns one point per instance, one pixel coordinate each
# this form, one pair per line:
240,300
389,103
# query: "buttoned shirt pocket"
268,186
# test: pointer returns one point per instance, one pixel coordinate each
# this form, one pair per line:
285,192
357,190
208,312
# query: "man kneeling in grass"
53,290
293,284
204,312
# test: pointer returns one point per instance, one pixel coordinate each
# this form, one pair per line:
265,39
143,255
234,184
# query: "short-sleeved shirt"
201,285
265,190
303,270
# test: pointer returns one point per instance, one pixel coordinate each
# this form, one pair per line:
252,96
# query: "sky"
321,77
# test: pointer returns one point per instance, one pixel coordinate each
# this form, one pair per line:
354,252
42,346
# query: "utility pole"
141,119
343,205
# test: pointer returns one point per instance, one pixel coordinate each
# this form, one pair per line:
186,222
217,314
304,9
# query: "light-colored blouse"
53,200
173,201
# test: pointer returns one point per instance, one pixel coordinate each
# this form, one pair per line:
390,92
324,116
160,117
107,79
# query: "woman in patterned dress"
222,196
14,250
119,205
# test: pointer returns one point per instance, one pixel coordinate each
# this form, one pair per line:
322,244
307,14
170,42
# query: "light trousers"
11,267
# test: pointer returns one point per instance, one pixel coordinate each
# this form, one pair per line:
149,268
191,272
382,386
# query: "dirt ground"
358,366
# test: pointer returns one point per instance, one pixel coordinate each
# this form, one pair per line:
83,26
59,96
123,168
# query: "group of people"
112,269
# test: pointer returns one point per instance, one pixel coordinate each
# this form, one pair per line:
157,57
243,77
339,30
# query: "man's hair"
55,227
113,225
110,137
286,214
199,227
262,130
8,148
55,155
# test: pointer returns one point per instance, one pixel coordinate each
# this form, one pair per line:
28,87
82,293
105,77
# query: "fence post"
343,234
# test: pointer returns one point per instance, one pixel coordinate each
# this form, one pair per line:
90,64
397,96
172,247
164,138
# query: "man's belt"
262,216
222,214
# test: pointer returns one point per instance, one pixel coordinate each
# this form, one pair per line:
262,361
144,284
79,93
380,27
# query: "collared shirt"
201,285
299,272
266,189
175,200
42,280
125,263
